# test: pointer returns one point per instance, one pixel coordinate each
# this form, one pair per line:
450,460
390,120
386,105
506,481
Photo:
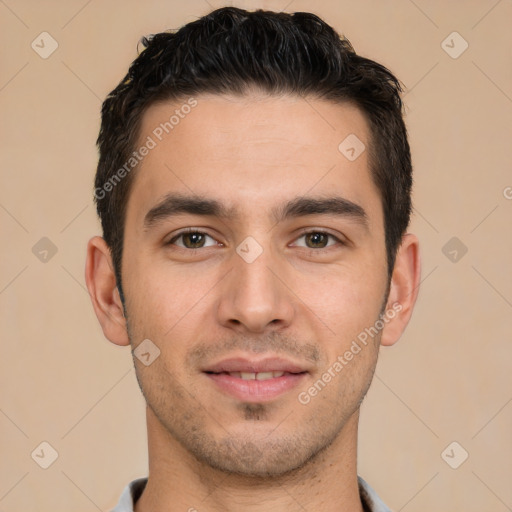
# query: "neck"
328,482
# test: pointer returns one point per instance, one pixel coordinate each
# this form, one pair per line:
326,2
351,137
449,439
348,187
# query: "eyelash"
302,234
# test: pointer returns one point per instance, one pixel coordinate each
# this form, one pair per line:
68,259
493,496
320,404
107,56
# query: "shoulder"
130,495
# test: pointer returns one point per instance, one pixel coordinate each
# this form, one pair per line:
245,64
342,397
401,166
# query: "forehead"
250,150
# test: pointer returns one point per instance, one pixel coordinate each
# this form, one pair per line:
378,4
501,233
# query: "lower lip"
256,390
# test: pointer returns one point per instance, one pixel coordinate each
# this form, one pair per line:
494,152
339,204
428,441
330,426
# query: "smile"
256,376
255,387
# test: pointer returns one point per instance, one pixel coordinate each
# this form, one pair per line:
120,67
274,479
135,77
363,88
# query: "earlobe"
403,289
102,286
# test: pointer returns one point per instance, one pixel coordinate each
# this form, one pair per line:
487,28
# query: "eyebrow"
334,205
175,204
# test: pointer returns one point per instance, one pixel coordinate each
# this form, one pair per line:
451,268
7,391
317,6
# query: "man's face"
273,259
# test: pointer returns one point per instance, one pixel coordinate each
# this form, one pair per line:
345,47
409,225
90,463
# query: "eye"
317,240
192,240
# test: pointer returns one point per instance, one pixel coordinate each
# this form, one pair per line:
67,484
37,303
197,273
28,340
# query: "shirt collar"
133,491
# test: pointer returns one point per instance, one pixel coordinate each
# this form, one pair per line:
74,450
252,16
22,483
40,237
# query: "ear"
102,286
403,291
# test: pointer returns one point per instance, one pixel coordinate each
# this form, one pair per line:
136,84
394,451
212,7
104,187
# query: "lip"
256,390
269,364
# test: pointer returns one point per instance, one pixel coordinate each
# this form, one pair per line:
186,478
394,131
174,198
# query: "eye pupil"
316,240
193,240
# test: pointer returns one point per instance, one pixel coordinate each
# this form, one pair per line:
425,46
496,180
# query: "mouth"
252,375
255,381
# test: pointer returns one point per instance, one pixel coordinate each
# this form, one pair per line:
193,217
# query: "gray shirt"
132,492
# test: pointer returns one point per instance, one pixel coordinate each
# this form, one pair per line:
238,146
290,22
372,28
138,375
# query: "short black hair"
233,51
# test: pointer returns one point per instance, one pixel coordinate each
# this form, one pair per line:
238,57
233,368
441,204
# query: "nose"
254,297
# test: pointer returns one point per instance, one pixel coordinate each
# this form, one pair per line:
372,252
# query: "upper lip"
242,364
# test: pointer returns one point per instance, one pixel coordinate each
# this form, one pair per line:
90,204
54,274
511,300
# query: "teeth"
264,375
268,375
256,376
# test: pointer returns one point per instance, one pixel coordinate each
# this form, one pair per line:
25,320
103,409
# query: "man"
254,188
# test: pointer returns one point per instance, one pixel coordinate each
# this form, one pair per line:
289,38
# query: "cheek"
345,301
165,300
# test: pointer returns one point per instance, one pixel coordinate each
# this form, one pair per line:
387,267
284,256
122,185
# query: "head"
235,225
231,51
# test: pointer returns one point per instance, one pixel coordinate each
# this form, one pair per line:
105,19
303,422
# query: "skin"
208,450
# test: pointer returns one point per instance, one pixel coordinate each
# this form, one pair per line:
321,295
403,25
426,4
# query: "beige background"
447,380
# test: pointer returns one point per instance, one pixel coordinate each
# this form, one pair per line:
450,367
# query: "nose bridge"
252,295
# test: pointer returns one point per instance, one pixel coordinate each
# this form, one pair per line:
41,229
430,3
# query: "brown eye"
192,240
316,240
